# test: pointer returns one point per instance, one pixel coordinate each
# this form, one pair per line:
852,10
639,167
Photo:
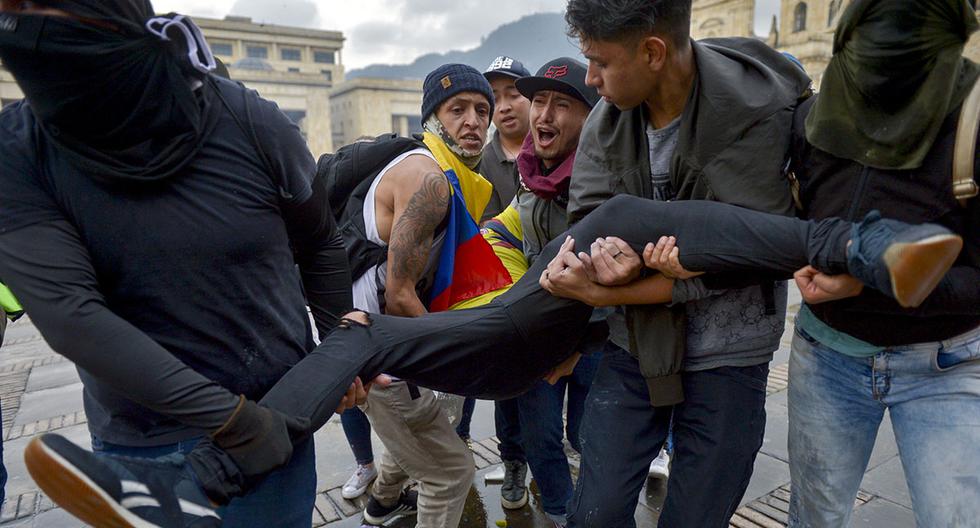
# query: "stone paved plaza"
40,392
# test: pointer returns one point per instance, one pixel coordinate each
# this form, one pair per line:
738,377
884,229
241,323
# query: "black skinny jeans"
500,350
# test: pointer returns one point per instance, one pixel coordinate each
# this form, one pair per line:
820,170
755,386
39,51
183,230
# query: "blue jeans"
357,429
507,423
283,499
463,429
836,403
718,430
542,429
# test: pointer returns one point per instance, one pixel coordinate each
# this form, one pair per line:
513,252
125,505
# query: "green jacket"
9,304
732,147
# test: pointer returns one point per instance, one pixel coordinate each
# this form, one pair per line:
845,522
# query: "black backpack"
346,176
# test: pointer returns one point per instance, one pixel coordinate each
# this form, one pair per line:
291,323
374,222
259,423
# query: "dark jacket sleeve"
319,252
49,270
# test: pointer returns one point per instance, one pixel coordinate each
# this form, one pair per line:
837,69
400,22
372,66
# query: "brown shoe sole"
74,491
916,268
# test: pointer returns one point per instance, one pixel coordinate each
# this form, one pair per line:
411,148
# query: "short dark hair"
619,20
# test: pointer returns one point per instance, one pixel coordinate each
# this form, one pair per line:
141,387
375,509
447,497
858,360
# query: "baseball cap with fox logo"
565,75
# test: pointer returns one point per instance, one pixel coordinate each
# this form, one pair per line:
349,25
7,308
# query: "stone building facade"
722,18
293,67
370,107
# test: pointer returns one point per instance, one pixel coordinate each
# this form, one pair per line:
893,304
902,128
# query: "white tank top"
366,287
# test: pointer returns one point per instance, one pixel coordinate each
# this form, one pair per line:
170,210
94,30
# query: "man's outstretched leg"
440,350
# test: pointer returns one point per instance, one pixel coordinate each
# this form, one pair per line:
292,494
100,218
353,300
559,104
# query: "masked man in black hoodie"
151,220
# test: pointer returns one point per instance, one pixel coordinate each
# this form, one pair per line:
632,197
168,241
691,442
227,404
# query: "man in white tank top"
404,211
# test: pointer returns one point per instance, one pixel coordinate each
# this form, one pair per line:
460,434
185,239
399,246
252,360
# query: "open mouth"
546,137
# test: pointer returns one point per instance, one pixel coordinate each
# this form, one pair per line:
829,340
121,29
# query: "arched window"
799,17
712,28
832,14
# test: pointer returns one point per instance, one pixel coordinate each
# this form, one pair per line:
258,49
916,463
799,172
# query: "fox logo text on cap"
556,72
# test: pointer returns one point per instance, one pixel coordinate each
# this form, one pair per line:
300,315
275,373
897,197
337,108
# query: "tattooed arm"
420,199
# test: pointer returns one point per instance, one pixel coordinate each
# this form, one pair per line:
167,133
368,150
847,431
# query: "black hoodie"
173,290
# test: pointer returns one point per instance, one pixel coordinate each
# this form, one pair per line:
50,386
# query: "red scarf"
546,186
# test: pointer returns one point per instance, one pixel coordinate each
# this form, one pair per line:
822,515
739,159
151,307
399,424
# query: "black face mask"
119,105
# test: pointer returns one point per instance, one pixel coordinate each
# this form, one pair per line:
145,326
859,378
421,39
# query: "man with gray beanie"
412,198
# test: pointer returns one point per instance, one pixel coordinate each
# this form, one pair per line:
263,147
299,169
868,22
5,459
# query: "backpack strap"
964,151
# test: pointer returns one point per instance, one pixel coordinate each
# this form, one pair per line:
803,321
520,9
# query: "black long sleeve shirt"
172,298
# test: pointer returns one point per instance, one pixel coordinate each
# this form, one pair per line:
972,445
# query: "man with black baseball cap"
499,167
510,118
560,101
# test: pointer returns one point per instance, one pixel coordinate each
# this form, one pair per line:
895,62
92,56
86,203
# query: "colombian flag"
467,265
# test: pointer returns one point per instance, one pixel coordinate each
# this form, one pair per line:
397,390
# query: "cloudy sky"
395,31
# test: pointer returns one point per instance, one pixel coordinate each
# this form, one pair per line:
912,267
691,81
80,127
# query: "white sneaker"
660,467
358,483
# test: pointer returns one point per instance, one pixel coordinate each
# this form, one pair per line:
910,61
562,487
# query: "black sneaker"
513,492
901,260
118,492
375,513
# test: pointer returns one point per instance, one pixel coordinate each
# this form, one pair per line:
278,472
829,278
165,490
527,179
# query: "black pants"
500,350
718,431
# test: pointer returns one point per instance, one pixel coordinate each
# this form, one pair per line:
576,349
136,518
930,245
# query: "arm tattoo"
411,238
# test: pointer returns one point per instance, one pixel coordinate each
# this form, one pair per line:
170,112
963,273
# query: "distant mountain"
533,40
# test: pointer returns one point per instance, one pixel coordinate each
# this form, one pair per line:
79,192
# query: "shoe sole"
355,494
71,489
915,268
378,521
514,505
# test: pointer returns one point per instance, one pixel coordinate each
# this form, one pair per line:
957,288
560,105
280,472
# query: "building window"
832,14
221,48
290,54
414,124
256,52
324,57
327,74
799,17
293,70
406,125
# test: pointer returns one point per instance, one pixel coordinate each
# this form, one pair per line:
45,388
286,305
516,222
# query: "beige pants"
420,444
